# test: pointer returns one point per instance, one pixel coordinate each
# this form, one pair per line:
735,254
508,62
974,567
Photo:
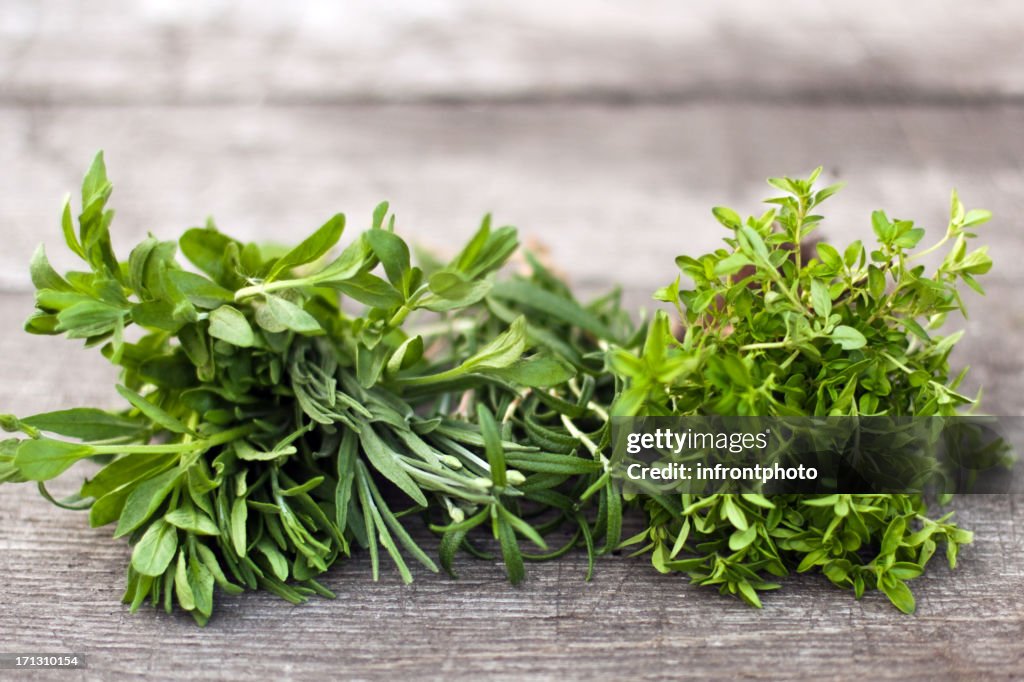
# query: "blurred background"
604,130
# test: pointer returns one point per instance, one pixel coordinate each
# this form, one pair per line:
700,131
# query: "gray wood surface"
605,131
306,51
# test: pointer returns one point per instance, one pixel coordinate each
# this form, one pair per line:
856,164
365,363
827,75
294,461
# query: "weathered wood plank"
62,584
55,51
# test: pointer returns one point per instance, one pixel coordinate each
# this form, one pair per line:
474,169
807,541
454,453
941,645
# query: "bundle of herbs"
270,428
846,333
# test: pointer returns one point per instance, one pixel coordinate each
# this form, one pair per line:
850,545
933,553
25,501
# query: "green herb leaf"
86,423
311,248
43,459
144,500
286,315
157,414
848,337
154,552
228,324
388,463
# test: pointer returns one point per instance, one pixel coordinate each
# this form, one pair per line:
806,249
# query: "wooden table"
604,132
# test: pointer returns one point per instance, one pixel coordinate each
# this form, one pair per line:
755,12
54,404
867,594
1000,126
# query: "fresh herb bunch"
270,429
768,332
265,423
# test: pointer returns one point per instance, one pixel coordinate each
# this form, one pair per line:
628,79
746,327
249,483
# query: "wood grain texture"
54,52
62,582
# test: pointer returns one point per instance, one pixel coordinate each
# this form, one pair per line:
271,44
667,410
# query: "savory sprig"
263,421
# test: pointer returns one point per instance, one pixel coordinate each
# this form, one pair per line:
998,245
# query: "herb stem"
446,327
427,380
934,247
218,438
267,287
767,345
583,438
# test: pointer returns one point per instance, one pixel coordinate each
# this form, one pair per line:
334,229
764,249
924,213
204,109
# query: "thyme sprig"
852,332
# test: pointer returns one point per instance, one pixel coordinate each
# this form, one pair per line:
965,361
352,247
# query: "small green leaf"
735,515
848,337
829,256
199,291
899,594
246,452
755,243
353,258
278,564
89,318
749,594
904,570
192,520
68,228
884,230
369,290
503,351
154,552
311,248
731,264
492,445
547,303
893,536
43,275
387,462
392,252
728,217
522,527
741,539
452,290
124,470
95,184
853,253
200,581
182,589
229,324
827,192
876,282
510,551
821,299
155,413
239,516
86,423
43,459
209,251
537,371
408,353
287,315
144,499
976,217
